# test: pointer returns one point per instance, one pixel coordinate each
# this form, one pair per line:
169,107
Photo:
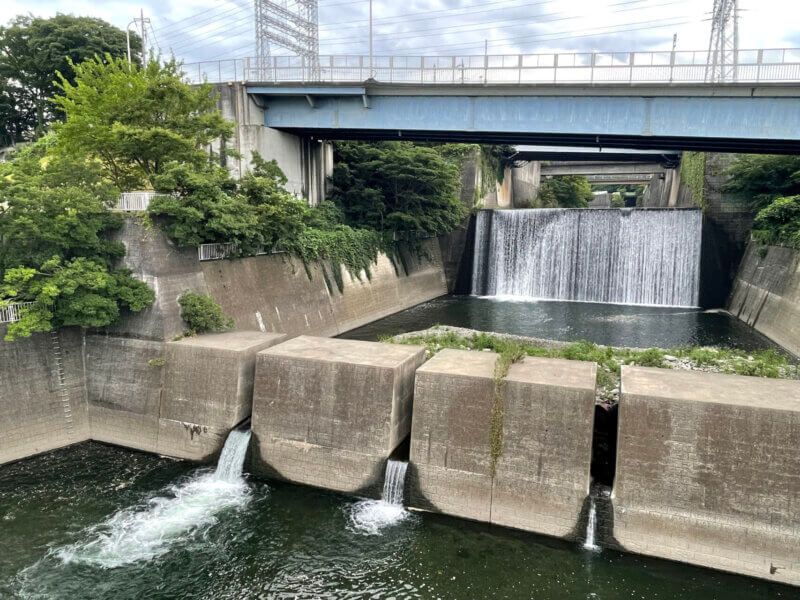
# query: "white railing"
228,249
11,312
765,65
134,201
399,236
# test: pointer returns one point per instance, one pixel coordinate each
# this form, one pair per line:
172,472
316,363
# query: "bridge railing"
11,312
760,65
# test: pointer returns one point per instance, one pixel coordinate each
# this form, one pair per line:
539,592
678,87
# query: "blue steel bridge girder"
723,119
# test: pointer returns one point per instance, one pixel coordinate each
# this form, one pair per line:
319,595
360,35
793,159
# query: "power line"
570,34
475,27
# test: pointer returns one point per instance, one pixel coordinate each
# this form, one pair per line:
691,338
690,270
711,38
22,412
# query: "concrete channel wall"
129,385
542,475
708,471
766,294
42,394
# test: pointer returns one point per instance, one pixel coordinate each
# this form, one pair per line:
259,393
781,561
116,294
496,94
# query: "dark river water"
98,522
607,324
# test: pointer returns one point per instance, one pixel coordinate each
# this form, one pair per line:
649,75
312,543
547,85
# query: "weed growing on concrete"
511,353
761,363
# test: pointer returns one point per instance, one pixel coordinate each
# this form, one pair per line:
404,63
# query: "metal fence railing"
11,312
228,250
134,201
760,65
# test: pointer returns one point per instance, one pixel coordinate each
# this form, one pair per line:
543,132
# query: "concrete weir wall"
708,471
766,294
329,412
542,474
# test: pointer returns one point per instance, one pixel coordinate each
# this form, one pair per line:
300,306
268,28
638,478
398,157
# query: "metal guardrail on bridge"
764,65
11,312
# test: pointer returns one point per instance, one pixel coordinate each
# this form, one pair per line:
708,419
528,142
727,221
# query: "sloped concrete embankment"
766,294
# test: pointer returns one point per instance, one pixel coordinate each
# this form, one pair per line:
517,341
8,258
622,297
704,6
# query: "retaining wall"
766,294
42,403
542,476
708,471
329,412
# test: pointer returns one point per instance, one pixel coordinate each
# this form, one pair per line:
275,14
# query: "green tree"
138,122
779,223
396,186
33,51
568,191
54,246
764,177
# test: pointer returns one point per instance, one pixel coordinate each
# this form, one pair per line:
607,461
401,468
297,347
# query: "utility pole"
143,22
295,28
723,45
370,40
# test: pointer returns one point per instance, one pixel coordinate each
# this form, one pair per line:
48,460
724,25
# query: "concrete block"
708,470
329,412
542,475
208,389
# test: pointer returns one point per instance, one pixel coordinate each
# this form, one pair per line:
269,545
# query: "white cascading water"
624,256
591,528
370,516
147,531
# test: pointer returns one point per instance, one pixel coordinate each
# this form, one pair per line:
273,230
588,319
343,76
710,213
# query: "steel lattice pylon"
724,42
295,28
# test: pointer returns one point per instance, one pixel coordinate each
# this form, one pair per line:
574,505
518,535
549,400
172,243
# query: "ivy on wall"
693,175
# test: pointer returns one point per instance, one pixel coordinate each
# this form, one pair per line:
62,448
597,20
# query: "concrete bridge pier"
307,162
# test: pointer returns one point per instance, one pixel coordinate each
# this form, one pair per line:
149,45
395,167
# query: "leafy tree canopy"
138,122
33,51
778,224
764,177
54,245
396,186
568,191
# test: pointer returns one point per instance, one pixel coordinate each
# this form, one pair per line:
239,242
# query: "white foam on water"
371,516
144,532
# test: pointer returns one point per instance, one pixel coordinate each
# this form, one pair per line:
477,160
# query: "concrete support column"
675,184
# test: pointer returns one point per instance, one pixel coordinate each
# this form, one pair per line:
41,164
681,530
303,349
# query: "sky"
202,30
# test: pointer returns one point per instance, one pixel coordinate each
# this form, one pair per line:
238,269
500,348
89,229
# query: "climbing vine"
693,175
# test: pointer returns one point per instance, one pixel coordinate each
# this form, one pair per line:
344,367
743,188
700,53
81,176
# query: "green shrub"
202,313
778,224
762,178
568,191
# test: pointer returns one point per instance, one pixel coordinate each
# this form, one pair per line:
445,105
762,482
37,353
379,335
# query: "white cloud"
210,29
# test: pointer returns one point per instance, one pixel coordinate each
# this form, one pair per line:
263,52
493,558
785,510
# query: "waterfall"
394,481
182,513
371,516
231,460
591,528
626,256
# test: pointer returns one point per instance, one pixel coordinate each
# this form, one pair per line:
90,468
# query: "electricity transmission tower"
724,42
295,28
